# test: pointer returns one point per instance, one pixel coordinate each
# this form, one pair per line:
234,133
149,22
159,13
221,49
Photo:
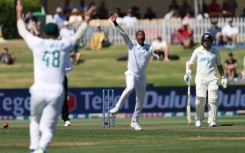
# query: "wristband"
188,71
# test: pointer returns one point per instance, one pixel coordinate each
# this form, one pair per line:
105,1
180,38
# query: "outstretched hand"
159,52
19,6
89,13
112,16
19,9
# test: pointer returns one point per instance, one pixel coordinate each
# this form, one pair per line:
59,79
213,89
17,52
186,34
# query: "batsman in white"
47,92
139,55
206,57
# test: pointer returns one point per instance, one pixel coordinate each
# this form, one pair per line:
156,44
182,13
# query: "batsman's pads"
224,82
200,108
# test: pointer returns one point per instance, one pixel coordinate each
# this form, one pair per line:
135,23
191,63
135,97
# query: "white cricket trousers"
139,84
202,86
45,109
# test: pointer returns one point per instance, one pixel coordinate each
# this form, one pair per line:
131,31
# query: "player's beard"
207,45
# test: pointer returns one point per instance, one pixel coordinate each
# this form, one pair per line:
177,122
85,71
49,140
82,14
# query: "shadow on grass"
227,124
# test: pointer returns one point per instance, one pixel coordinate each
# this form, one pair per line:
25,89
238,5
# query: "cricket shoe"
212,124
67,123
39,150
114,110
198,123
136,126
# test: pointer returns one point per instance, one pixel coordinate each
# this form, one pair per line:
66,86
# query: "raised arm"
20,23
119,29
83,27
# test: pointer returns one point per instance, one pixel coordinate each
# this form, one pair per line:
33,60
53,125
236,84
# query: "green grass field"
100,68
160,135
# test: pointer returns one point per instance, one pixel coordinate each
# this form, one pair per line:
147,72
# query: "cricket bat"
188,107
188,104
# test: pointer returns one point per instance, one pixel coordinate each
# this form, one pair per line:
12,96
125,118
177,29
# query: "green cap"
51,29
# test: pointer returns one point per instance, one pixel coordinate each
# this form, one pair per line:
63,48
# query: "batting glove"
187,77
224,82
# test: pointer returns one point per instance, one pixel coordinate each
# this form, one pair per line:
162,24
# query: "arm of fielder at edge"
81,31
83,27
20,23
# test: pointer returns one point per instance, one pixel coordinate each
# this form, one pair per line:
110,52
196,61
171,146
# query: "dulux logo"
173,100
236,99
178,101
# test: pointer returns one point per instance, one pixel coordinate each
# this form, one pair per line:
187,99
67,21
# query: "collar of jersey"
139,46
205,49
210,50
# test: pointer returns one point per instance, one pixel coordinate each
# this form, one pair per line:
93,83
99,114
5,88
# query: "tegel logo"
15,105
71,100
93,101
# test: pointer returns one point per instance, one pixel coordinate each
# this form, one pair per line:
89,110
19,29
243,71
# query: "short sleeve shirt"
206,61
138,57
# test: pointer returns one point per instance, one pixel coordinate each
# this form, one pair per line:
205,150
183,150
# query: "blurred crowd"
7,56
184,12
72,16
226,35
231,69
213,9
69,17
